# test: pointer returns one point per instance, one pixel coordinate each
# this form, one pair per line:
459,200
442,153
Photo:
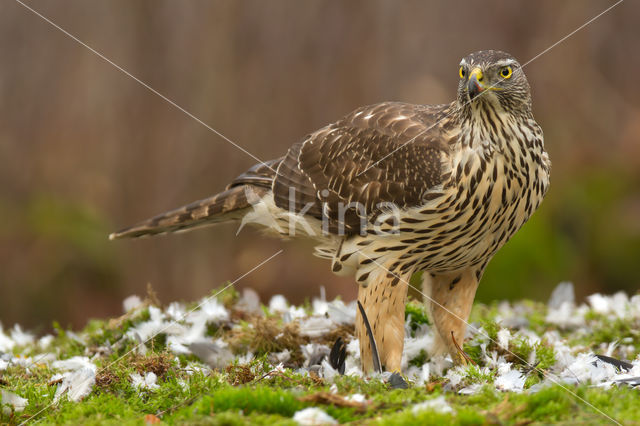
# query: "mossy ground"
255,393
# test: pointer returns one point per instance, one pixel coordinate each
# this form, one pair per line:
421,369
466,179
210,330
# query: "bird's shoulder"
388,152
398,120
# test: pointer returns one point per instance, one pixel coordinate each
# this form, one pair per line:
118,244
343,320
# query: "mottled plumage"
393,188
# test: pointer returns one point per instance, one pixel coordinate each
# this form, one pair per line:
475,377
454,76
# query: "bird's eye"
506,72
463,72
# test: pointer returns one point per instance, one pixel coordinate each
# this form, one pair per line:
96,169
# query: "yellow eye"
506,72
463,73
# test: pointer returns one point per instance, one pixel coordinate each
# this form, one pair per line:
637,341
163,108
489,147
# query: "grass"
253,392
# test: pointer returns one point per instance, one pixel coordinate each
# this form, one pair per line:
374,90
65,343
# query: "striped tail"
227,205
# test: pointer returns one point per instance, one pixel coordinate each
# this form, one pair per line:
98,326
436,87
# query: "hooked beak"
475,84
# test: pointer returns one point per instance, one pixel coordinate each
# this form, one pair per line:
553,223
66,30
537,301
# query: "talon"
463,355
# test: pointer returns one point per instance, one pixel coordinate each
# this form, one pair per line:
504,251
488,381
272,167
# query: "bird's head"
491,76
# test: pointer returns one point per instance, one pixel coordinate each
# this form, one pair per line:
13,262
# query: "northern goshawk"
392,189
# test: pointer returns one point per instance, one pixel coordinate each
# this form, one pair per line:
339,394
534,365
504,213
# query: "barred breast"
498,179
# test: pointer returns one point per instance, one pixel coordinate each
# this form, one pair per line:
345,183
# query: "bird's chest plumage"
497,180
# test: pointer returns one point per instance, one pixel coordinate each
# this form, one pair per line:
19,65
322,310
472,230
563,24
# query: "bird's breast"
493,187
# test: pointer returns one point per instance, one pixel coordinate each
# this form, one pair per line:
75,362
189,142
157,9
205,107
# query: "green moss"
536,316
474,351
545,355
417,312
491,329
531,380
476,374
246,394
521,350
424,418
609,331
604,331
420,360
227,295
210,400
260,398
470,417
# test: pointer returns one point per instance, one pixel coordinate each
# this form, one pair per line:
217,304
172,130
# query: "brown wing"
389,152
384,153
261,175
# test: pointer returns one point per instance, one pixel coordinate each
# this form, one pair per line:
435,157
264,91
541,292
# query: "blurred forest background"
86,150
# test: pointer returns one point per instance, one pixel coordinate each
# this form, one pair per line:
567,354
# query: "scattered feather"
12,402
586,367
316,326
377,366
357,397
45,341
562,294
76,385
209,311
419,375
20,337
146,382
619,364
313,416
631,381
74,363
6,343
280,357
215,354
131,303
439,405
415,346
396,381
510,381
249,302
278,304
455,375
314,353
338,355
340,313
503,338
471,389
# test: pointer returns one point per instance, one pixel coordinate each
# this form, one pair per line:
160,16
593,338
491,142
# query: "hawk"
392,189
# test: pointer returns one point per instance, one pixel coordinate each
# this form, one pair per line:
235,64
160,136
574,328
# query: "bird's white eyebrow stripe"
505,62
502,63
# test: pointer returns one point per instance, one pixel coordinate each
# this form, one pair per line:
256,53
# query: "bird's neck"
487,128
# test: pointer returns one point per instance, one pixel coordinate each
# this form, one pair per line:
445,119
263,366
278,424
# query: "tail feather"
224,206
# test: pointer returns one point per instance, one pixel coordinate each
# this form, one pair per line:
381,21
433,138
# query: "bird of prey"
394,188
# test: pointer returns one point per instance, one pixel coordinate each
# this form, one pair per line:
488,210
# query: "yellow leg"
384,302
450,301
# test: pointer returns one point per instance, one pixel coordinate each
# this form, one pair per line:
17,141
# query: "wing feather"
384,153
388,152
